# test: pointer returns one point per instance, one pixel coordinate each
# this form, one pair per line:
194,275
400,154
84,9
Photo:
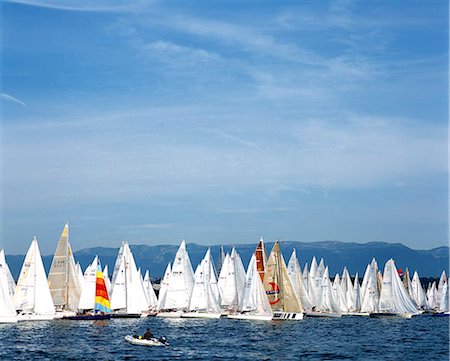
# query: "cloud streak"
11,99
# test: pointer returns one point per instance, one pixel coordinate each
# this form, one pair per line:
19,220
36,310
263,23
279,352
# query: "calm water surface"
355,338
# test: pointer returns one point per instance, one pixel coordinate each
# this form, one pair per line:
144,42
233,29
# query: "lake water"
355,338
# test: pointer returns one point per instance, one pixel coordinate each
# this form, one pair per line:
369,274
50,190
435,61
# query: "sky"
222,121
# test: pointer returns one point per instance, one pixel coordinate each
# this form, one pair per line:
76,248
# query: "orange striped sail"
102,303
261,259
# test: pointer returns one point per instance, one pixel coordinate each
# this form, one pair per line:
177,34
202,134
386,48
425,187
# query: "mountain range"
356,256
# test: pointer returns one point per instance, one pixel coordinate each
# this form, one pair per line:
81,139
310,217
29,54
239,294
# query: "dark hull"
88,317
126,315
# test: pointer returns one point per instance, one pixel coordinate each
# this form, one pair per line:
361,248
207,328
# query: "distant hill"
355,256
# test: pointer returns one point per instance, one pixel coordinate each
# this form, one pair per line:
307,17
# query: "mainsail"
32,294
296,276
127,291
9,278
261,258
277,284
255,300
181,282
203,298
63,278
7,310
394,298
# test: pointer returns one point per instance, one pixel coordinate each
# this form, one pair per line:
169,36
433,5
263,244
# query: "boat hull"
144,342
244,316
391,314
34,317
323,314
8,319
176,314
200,315
88,317
126,315
357,314
64,314
291,316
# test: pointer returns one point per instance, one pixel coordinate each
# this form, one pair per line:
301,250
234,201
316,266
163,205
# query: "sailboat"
231,282
442,304
418,292
63,278
296,276
180,285
326,304
255,304
152,300
204,302
394,298
261,258
7,310
107,280
128,298
94,301
282,298
32,298
9,278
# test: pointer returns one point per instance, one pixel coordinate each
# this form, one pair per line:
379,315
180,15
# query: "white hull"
323,314
200,315
8,319
62,314
144,342
34,317
357,314
176,314
389,314
291,316
247,316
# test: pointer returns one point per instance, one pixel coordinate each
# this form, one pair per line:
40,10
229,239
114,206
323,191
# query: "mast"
66,302
126,285
34,276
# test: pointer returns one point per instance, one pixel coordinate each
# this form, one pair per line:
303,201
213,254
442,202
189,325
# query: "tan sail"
63,279
277,284
261,258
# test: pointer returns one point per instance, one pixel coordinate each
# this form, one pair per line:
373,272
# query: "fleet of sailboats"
268,290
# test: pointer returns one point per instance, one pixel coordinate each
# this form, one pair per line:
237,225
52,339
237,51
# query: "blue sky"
218,122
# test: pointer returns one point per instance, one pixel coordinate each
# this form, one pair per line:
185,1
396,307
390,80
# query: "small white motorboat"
138,340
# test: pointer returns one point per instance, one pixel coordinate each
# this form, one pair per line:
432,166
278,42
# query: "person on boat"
148,334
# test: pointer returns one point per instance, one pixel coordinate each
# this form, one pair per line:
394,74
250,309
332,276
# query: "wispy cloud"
10,98
87,5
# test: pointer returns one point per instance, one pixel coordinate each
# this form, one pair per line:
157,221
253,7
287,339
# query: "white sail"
152,300
211,274
306,278
357,303
338,295
7,309
9,277
369,289
296,276
227,284
394,298
63,278
231,281
87,298
107,280
432,296
32,294
127,291
442,294
326,300
254,300
347,290
181,282
163,287
418,292
203,298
